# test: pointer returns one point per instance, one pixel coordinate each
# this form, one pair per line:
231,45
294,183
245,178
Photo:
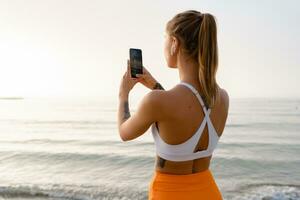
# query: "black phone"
136,63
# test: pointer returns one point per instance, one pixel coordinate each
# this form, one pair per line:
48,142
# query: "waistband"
203,176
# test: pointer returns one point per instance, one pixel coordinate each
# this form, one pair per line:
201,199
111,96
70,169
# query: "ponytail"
198,34
208,58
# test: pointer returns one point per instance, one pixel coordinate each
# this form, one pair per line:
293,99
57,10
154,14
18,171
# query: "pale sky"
80,48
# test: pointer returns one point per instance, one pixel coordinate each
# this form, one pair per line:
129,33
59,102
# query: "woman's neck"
188,72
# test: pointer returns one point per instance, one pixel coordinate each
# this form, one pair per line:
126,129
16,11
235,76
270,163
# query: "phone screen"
136,64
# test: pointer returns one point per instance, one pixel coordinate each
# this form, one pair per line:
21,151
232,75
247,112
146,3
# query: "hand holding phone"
139,71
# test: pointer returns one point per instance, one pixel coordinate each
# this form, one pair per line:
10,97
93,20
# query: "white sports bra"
185,151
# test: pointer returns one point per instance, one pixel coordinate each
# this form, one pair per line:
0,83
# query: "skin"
174,127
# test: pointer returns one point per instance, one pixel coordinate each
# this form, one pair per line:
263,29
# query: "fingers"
128,73
128,65
140,76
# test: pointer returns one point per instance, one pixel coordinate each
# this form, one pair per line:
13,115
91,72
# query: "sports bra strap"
206,111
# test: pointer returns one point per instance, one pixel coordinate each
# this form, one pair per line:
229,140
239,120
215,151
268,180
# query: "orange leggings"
197,186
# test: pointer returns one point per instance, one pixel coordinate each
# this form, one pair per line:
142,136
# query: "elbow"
120,134
123,138
123,133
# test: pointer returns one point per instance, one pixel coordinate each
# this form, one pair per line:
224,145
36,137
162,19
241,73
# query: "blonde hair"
197,34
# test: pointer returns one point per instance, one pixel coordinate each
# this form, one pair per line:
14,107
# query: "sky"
79,48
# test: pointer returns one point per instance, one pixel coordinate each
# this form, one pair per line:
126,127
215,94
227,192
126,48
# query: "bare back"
183,115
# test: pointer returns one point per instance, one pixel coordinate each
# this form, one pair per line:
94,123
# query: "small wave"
61,122
117,159
11,192
255,163
59,141
255,185
80,142
268,191
264,124
70,192
259,144
86,122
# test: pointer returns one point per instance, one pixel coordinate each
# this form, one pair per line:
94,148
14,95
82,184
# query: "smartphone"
136,63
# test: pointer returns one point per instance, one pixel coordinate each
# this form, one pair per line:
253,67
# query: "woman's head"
194,35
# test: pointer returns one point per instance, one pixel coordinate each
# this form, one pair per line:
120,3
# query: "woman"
187,120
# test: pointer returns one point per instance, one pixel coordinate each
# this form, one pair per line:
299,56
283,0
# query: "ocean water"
70,149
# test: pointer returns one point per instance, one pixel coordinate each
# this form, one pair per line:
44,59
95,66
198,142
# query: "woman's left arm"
131,127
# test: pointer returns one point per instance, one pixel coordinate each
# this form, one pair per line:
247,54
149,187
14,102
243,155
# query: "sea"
70,149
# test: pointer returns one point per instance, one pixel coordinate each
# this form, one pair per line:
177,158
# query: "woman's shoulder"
156,98
162,94
157,95
224,97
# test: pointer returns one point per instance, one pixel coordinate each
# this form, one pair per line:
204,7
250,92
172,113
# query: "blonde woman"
186,121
